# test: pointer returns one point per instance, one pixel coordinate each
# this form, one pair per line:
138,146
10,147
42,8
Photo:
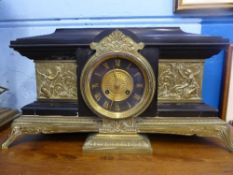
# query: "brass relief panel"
56,79
180,80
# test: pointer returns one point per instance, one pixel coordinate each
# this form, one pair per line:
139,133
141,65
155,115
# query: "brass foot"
14,134
226,136
117,143
49,125
202,127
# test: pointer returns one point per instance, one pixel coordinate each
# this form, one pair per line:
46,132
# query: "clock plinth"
117,143
118,136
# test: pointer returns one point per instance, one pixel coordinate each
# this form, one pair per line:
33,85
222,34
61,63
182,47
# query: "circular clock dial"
117,85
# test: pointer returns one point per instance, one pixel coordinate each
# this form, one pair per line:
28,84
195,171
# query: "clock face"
117,85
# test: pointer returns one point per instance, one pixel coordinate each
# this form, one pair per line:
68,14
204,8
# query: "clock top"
149,36
172,42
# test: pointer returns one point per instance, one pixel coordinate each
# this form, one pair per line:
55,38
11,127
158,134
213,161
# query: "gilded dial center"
117,84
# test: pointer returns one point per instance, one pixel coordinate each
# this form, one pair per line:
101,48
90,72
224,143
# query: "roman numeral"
137,74
139,85
95,85
129,65
117,107
110,107
106,65
97,74
106,105
137,97
98,96
118,63
129,105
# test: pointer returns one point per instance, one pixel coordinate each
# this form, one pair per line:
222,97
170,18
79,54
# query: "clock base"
199,126
117,143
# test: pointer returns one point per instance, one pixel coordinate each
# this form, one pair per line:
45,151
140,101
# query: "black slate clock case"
160,43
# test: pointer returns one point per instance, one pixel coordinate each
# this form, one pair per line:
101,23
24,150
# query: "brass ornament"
116,42
180,80
117,45
123,126
56,79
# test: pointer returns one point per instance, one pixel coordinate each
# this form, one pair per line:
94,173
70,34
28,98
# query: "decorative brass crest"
116,42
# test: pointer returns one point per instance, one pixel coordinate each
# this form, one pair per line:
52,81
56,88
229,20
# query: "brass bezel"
148,94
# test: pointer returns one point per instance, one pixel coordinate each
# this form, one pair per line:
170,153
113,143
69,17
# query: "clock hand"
116,82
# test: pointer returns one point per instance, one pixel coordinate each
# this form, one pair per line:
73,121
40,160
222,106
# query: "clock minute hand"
116,82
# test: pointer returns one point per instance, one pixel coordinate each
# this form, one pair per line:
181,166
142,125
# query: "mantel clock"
120,84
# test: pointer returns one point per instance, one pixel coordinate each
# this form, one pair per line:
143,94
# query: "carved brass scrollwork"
117,41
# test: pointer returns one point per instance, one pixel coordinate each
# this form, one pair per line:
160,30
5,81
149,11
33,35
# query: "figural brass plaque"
56,80
180,80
